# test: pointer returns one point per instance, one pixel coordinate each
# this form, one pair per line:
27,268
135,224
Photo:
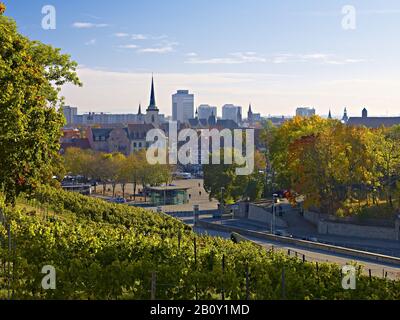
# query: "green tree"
31,76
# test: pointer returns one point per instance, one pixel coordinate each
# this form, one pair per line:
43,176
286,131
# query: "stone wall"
264,215
353,230
312,217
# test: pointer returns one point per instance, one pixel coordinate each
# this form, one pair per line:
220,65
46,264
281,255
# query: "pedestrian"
200,193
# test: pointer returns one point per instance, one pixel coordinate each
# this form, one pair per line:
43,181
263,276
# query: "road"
378,269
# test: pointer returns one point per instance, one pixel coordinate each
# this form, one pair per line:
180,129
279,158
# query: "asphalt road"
377,269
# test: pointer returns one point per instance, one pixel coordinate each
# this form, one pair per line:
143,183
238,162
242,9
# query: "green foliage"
217,176
109,251
31,75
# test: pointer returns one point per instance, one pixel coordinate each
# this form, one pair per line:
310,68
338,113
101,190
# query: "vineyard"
108,251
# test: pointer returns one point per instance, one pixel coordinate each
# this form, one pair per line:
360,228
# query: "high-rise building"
232,112
205,111
305,112
182,106
69,114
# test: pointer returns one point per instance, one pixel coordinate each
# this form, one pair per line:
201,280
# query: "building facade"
182,106
205,111
91,119
372,122
305,112
232,112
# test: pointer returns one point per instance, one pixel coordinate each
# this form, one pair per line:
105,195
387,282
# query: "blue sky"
275,54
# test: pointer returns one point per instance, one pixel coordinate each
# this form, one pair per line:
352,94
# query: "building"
152,112
305,112
253,117
372,122
94,119
70,113
345,118
205,111
232,112
182,106
168,195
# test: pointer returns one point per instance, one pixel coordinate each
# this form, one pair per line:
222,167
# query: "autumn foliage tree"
338,169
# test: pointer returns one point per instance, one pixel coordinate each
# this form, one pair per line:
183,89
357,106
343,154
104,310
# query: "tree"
222,182
31,76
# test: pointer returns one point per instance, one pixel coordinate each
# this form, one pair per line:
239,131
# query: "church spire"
345,116
152,105
140,110
330,114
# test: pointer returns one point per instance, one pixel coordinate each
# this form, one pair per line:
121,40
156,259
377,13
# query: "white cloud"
160,50
163,47
91,42
233,58
139,37
88,25
191,54
128,46
121,35
320,58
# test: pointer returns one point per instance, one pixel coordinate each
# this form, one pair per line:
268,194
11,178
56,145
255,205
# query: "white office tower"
70,114
305,112
182,106
206,111
232,112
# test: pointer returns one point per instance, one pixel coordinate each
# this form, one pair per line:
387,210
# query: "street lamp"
222,201
275,201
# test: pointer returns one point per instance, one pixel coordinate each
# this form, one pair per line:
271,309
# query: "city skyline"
278,56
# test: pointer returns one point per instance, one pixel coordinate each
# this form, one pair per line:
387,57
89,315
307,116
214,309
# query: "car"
312,239
119,200
283,233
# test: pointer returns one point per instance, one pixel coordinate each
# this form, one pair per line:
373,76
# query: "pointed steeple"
152,105
211,119
345,116
330,114
140,110
250,114
197,114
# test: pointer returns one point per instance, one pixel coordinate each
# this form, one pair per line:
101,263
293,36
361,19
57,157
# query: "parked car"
283,233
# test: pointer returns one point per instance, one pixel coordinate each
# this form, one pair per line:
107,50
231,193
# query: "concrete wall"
264,215
312,217
352,230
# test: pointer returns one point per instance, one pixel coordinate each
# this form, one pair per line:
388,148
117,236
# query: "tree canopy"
31,76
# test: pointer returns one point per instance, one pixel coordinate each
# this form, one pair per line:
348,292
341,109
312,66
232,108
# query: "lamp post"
275,201
222,201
